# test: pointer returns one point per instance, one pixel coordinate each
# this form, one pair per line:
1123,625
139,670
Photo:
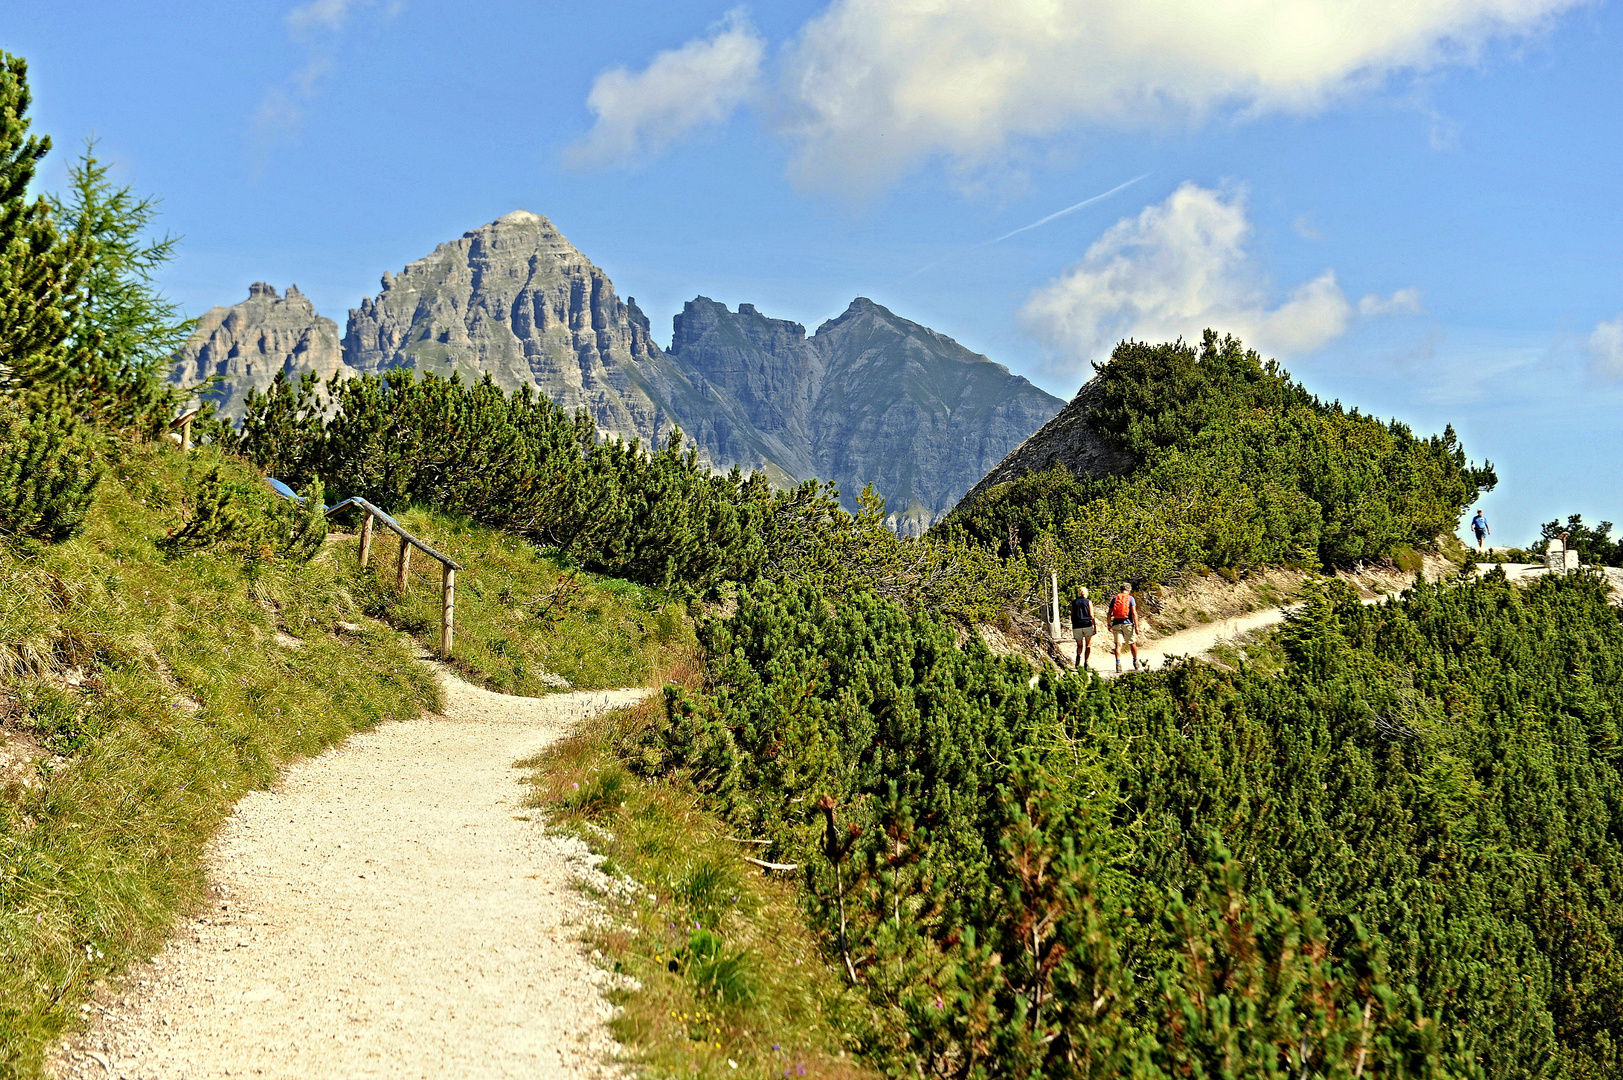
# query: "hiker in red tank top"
1124,622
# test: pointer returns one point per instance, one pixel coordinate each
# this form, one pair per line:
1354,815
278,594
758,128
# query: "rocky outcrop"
871,398
516,301
1065,440
243,346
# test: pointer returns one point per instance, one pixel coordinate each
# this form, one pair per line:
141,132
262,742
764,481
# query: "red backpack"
1121,607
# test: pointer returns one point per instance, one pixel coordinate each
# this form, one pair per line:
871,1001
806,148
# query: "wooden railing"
448,565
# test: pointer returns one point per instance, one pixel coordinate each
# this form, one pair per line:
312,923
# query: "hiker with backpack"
1124,622
1082,628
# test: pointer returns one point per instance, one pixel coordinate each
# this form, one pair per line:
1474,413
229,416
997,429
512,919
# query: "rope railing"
448,565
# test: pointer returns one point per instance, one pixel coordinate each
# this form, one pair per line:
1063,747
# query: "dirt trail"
388,910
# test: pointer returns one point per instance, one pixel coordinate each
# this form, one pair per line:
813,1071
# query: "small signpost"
1558,557
1054,630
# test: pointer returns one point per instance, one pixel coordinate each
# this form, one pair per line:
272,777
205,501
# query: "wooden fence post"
405,565
448,613
1054,580
366,540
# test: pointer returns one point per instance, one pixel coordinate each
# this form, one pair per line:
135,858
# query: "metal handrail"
448,565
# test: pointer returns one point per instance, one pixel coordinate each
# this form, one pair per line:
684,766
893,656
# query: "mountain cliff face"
1065,440
758,378
870,398
245,345
517,301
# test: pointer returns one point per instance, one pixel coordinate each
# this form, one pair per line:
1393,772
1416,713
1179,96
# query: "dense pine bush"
1595,546
49,468
656,516
1403,849
232,512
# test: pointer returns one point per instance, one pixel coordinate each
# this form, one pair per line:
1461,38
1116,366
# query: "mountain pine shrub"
224,509
49,468
1595,546
1396,856
658,517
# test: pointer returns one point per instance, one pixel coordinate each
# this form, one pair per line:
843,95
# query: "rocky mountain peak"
870,398
244,346
515,300
523,217
702,320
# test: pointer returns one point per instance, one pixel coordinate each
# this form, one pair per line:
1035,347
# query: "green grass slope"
142,692
150,693
522,617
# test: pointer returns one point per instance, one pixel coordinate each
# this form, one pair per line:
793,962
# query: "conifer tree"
115,365
49,469
41,270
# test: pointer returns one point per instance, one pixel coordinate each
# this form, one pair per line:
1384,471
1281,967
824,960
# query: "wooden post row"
448,610
405,565
366,540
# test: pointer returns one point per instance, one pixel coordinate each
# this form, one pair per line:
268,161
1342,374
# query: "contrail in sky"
1068,210
1073,208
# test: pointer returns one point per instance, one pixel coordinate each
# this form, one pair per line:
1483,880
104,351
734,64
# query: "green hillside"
1234,465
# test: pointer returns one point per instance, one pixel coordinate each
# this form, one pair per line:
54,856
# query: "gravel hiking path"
1191,642
1199,640
389,909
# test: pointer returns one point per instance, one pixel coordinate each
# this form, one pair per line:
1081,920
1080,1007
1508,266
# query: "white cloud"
326,13
1605,349
870,88
1401,302
682,90
317,26
1303,226
1174,270
332,14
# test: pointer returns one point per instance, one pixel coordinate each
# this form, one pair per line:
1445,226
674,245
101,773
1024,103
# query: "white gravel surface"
386,911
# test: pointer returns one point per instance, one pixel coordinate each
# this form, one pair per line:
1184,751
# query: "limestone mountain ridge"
870,397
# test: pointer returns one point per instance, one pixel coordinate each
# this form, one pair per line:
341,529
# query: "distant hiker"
1124,623
1479,525
1082,628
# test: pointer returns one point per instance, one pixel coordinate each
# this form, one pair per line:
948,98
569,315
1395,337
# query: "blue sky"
1415,205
